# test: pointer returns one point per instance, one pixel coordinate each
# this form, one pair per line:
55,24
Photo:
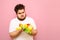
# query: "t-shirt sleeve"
11,27
33,24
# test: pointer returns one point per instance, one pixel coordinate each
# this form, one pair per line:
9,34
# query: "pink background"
46,14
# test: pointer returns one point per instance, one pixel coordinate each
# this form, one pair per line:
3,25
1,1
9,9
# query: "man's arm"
12,32
34,29
15,33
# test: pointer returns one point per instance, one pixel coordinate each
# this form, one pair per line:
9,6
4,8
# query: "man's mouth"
22,15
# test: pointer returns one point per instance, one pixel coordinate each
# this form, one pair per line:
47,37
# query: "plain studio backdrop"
46,14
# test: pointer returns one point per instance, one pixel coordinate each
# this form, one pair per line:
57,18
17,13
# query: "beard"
21,19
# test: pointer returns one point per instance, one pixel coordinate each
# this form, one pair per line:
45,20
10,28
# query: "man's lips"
22,15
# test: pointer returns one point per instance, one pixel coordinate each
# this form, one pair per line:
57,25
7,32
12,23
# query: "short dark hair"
19,7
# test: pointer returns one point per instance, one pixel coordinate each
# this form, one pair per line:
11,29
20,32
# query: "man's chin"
21,19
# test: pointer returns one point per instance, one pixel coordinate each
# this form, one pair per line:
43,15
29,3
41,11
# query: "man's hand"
30,30
33,32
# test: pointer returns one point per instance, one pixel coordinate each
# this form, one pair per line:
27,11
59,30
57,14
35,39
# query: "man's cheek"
19,16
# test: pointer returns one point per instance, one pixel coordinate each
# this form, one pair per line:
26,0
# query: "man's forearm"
15,33
34,32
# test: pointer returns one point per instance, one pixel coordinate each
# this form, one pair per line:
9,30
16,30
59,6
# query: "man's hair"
19,7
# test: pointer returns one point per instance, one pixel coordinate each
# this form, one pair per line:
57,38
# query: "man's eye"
22,12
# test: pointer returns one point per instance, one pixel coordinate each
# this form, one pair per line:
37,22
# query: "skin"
21,15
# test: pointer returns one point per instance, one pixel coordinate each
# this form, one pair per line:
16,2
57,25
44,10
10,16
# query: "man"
21,19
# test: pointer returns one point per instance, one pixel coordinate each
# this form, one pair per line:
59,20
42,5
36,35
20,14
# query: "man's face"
21,14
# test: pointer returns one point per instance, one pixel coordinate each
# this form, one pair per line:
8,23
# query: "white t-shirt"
15,23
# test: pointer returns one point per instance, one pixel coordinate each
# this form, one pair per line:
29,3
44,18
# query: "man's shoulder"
14,19
30,18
